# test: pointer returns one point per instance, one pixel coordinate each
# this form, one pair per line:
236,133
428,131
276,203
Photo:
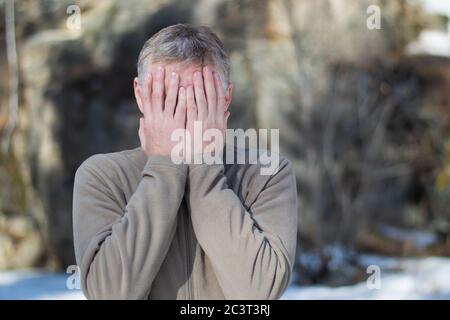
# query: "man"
148,227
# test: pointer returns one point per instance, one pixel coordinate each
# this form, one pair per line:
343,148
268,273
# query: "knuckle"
169,102
157,95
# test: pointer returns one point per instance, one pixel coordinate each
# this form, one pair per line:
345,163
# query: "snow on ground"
33,284
427,278
420,239
433,42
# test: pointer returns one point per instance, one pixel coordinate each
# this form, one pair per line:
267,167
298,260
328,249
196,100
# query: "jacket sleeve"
252,251
119,250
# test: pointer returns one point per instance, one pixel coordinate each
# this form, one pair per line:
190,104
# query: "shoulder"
110,165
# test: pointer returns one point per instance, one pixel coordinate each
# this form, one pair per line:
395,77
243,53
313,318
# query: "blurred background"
360,91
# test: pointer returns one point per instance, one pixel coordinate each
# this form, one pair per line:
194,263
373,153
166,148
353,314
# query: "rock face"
344,97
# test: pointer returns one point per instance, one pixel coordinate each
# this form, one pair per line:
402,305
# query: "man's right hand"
162,113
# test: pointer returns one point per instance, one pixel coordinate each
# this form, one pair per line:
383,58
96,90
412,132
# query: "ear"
138,94
228,95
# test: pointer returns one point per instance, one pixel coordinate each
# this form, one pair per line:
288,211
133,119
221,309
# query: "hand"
206,107
161,115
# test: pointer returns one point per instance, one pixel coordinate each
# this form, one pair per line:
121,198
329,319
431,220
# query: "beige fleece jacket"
145,228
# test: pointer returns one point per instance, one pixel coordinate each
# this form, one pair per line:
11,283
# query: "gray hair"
185,43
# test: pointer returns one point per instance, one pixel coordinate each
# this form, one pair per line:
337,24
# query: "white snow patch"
436,6
420,239
432,42
427,278
36,285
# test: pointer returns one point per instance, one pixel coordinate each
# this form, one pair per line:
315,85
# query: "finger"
158,91
210,91
220,93
147,93
180,111
140,99
172,92
190,104
199,93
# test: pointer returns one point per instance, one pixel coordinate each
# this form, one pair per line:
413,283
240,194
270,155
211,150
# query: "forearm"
250,256
128,245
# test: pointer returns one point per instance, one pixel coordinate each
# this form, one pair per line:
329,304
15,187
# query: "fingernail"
205,68
197,74
181,89
174,75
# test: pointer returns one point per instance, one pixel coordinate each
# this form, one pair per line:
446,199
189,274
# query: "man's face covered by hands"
173,96
184,70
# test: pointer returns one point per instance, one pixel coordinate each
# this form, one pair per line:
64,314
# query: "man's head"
184,49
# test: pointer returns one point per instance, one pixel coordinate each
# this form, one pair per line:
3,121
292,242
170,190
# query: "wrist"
196,168
164,162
